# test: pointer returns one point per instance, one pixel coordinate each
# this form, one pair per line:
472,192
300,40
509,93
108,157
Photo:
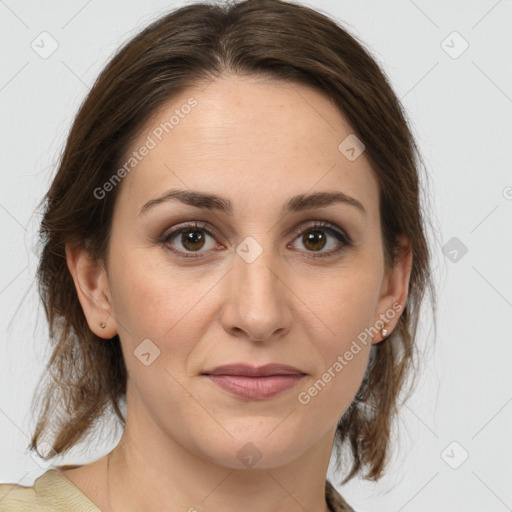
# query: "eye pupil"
193,237
315,236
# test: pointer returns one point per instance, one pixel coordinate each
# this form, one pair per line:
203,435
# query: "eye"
194,238
316,237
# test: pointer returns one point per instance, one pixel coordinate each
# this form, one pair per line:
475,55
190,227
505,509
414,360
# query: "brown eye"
189,239
192,240
321,235
314,240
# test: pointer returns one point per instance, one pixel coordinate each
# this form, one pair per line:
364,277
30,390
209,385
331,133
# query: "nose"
257,299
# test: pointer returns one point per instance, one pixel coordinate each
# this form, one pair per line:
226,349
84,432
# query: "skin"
257,142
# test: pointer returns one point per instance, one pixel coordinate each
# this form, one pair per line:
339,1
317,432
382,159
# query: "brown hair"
281,40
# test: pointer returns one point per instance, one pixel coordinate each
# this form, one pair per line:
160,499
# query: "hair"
86,375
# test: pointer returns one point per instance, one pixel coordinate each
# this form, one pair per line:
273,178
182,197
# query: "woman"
234,249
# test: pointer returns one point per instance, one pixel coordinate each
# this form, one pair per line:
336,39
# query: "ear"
394,290
91,282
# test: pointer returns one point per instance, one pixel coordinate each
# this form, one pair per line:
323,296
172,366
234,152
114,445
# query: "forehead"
247,139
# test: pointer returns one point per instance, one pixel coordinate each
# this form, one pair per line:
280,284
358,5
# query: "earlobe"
91,283
395,288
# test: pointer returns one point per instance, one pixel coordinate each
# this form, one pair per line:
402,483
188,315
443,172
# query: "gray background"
460,107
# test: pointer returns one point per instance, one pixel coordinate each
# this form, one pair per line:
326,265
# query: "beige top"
53,492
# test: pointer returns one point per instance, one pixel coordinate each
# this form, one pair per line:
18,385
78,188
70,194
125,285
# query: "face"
266,279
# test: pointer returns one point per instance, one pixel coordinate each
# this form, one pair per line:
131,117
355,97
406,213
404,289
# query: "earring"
102,325
384,332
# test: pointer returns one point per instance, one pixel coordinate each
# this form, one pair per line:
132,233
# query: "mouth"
256,388
246,370
255,383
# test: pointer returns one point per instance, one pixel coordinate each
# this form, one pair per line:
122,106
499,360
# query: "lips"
255,383
246,370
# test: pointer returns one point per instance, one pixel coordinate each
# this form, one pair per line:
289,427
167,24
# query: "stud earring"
384,332
102,325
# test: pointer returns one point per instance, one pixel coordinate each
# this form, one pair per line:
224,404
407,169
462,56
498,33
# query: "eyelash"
325,226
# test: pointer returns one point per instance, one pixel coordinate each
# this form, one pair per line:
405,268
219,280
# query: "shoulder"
50,492
17,497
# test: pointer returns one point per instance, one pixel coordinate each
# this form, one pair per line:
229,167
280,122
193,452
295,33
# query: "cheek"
161,303
341,304
329,393
151,296
340,316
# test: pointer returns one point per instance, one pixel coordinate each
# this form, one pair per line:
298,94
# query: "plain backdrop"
449,62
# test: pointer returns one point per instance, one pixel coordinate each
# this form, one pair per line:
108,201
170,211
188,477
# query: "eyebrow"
214,202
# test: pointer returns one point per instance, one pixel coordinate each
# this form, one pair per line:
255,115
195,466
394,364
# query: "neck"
149,471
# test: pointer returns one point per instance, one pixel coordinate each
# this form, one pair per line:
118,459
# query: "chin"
256,450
